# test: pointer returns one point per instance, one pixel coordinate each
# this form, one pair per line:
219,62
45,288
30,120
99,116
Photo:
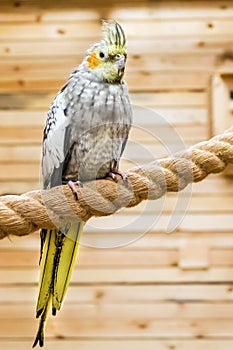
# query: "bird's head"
107,58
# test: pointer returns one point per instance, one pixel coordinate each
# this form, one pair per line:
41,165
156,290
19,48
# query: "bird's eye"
101,54
118,55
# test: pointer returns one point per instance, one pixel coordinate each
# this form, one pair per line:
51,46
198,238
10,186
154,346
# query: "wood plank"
150,311
41,15
208,203
26,101
136,293
137,81
20,154
29,66
175,10
61,344
19,187
23,135
197,45
194,255
125,275
126,294
144,28
31,4
95,258
169,99
41,101
104,328
126,229
216,45
43,48
13,172
24,118
129,257
173,28
37,31
175,116
199,9
149,81
150,241
198,204
156,238
152,244
64,64
214,184
159,240
178,62
174,138
18,151
31,85
218,223
148,134
219,99
218,257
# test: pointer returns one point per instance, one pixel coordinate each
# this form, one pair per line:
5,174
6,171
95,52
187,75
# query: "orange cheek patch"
93,61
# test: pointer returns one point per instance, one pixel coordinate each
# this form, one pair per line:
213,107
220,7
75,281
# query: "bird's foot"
113,175
73,186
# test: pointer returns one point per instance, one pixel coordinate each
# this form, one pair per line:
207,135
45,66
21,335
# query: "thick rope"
21,215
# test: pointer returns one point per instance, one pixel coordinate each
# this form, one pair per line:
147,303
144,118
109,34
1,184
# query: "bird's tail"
57,259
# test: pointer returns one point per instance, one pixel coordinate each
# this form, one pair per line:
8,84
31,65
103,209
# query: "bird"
86,132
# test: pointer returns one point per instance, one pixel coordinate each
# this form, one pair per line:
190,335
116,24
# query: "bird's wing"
57,141
128,116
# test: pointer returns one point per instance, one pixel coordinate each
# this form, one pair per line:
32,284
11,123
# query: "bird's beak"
121,65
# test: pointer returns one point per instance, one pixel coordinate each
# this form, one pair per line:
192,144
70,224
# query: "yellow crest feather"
114,34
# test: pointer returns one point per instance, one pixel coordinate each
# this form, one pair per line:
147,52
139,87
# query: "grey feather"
87,127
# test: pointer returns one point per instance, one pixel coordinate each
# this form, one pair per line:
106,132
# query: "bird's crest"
114,34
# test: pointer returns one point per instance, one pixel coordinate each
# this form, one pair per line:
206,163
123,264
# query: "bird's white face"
108,63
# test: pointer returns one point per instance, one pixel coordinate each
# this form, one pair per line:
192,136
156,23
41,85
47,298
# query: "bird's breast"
98,133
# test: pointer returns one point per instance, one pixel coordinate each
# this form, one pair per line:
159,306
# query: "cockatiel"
84,137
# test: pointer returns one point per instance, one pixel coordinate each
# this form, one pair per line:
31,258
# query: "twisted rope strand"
21,215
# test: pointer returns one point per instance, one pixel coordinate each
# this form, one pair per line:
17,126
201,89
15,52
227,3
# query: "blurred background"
164,291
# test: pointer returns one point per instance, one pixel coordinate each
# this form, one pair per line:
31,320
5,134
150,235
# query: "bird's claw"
113,175
73,186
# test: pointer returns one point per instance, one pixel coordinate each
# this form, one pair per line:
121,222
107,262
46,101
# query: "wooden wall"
163,292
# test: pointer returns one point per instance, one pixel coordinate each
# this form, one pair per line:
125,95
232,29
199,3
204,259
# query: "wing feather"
56,142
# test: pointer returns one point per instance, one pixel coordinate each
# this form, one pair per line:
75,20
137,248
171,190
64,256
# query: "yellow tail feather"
66,262
58,257
46,271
